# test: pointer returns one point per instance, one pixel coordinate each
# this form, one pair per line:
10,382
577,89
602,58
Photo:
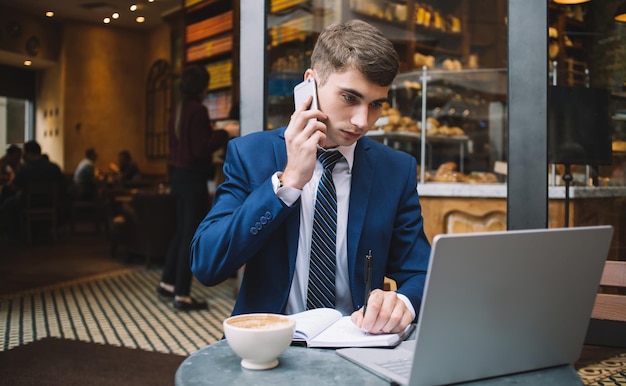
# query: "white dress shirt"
342,177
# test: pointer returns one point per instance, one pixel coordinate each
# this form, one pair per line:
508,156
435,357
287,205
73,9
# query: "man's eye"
377,105
349,98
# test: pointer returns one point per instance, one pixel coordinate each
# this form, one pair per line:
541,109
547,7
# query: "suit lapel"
361,186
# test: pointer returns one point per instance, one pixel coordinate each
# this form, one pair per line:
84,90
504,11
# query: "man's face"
352,104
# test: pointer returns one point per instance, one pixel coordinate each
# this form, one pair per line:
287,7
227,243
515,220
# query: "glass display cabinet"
450,106
452,121
452,80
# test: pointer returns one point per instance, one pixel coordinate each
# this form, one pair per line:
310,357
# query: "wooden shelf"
220,74
209,27
210,36
292,30
209,49
572,57
195,6
282,5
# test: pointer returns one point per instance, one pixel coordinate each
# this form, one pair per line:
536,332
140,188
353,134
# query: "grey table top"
217,364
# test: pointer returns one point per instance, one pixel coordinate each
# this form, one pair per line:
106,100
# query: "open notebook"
496,304
327,327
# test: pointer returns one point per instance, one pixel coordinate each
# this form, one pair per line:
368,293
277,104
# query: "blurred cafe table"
217,364
142,221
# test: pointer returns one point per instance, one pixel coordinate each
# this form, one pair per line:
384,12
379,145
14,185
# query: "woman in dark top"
192,142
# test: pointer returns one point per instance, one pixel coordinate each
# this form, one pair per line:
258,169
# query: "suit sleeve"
409,249
245,215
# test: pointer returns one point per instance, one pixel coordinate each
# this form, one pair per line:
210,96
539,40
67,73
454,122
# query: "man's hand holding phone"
303,90
305,131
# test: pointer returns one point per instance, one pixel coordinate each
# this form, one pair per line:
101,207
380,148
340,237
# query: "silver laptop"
498,303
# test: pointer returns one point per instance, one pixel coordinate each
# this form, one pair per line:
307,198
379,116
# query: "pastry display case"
449,105
452,121
441,35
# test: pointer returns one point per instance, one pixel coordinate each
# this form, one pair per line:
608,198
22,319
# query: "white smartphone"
303,90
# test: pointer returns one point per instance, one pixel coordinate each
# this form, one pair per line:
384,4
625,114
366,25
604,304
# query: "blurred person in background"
126,170
36,168
86,176
9,165
192,142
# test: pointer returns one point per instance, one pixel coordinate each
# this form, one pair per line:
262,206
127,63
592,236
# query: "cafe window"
158,103
453,101
16,121
447,106
17,93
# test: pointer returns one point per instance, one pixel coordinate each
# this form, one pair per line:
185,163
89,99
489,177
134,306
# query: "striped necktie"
321,290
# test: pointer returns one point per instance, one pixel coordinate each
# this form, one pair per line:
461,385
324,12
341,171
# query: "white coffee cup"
259,339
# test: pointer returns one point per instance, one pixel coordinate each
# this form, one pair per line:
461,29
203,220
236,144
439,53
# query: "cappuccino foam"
259,321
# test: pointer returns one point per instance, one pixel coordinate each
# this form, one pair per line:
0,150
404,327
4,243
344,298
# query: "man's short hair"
90,153
357,45
14,149
32,147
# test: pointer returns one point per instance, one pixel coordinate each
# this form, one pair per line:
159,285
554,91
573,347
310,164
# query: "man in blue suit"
263,212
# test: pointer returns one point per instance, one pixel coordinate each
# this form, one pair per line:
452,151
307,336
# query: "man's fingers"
386,313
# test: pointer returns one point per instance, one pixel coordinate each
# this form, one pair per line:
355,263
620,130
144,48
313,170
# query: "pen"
368,279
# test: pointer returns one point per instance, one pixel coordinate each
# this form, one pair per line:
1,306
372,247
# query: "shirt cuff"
287,194
407,303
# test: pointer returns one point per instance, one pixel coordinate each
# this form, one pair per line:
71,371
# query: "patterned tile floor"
122,309
607,367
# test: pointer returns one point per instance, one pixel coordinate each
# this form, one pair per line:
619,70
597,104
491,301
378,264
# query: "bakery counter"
460,189
499,190
463,207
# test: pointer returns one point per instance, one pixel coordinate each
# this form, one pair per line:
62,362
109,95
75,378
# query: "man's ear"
310,73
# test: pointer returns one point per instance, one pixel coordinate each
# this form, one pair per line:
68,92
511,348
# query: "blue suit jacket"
248,224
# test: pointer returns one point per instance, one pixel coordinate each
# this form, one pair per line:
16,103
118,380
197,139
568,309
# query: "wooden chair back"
612,306
607,326
88,210
462,222
40,204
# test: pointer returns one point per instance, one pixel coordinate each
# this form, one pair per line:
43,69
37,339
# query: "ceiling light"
620,13
571,1
107,20
115,15
140,19
150,1
28,63
49,13
133,7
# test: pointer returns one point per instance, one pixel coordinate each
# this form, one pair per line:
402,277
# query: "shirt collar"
346,151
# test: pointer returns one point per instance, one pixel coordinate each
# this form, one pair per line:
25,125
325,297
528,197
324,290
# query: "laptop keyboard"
401,367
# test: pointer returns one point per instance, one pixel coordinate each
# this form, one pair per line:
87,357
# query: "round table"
217,364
